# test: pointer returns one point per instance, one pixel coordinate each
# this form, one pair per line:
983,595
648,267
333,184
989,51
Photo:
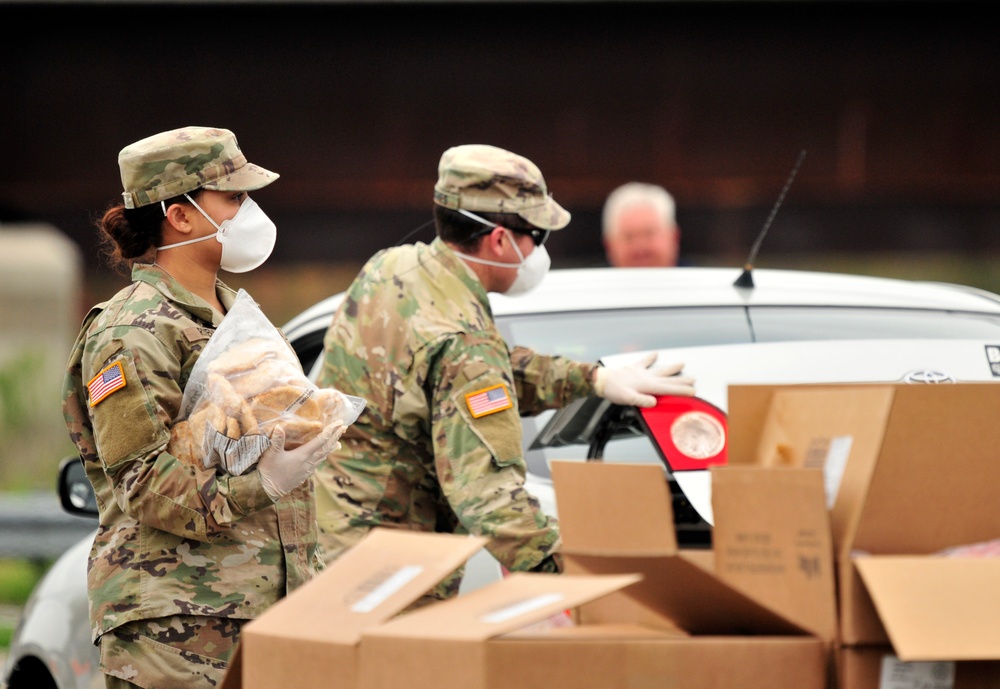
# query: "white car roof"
600,288
584,289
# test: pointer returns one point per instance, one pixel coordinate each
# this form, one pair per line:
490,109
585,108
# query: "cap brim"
548,216
247,178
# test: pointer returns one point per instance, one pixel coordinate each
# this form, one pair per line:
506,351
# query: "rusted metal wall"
896,104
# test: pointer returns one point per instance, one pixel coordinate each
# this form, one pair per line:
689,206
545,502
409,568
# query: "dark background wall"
896,104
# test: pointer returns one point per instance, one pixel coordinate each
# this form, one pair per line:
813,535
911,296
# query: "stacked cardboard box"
617,518
824,571
909,471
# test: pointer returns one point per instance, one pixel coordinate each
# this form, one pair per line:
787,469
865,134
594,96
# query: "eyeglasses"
537,236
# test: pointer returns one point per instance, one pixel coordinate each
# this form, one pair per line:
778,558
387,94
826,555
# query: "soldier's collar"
173,290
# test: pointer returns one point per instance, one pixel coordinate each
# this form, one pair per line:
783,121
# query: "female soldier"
184,555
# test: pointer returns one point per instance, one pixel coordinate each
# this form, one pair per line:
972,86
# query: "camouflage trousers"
177,652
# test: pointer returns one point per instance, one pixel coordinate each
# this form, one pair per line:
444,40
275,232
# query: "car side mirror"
75,492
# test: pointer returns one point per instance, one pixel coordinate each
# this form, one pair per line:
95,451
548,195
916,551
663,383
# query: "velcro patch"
110,379
488,400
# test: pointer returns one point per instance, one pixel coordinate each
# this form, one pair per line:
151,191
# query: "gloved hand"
282,471
636,384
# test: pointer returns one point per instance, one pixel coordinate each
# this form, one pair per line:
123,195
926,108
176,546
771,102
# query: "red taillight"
689,432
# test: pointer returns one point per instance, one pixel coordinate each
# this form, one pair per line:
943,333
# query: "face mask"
530,271
247,238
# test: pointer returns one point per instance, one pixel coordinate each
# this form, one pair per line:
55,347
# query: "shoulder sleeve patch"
488,400
109,380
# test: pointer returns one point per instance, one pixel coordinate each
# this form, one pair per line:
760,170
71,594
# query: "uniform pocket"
197,654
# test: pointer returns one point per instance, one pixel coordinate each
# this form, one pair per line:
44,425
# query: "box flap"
380,576
936,608
516,601
772,541
617,518
619,509
696,600
820,426
935,482
610,631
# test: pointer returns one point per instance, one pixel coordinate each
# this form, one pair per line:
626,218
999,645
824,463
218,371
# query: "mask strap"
477,218
498,264
488,263
517,250
191,241
195,204
486,222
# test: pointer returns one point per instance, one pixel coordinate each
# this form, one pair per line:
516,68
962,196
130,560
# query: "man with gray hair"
639,229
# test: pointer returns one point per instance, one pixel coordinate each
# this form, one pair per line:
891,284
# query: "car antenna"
746,278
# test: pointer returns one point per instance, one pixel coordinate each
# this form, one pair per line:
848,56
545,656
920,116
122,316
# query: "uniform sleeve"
133,396
548,382
476,431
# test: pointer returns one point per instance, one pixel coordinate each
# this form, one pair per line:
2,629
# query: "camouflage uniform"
183,555
415,336
174,538
438,447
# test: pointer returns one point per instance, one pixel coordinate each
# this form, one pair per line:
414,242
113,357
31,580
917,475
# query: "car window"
792,323
588,335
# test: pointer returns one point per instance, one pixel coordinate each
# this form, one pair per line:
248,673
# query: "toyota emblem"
930,377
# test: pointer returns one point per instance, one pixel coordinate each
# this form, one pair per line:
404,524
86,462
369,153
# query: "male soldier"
438,447
638,227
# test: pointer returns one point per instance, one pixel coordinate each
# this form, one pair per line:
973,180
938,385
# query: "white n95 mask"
530,271
247,238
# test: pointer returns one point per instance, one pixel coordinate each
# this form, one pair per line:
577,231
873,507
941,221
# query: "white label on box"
386,587
525,606
938,674
833,467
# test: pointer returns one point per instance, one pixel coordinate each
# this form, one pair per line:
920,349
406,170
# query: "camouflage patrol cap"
478,177
172,163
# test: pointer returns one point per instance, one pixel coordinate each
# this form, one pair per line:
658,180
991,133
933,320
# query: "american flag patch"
488,400
104,383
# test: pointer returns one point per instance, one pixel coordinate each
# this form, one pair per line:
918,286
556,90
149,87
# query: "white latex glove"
636,384
282,471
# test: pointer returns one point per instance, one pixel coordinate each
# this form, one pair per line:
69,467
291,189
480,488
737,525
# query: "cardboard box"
617,518
344,630
472,642
498,637
311,637
878,667
914,470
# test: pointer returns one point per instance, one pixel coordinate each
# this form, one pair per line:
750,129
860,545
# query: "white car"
786,327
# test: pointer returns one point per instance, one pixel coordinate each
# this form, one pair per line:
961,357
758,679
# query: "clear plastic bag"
247,382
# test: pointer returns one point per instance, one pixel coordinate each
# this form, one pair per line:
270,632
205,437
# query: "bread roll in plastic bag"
247,382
